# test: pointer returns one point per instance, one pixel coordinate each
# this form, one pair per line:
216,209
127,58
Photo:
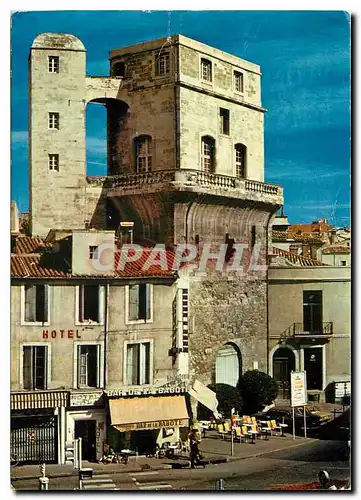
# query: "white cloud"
288,169
19,139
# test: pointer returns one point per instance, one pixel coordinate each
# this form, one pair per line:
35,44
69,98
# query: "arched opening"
107,141
228,365
283,363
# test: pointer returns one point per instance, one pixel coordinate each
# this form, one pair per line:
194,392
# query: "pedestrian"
193,444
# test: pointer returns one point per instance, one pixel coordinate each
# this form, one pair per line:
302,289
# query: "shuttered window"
139,302
138,363
34,367
89,303
88,365
36,303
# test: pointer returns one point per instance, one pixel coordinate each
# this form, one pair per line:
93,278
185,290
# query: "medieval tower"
185,163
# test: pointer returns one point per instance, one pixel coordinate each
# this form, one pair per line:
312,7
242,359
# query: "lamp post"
233,410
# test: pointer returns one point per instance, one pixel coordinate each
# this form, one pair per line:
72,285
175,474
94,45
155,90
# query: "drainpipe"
106,322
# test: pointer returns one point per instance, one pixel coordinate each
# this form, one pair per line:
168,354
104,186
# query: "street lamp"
233,410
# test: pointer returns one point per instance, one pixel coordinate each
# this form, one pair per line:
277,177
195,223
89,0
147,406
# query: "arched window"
240,159
207,153
143,153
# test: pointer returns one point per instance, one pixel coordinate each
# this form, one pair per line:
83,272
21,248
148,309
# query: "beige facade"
290,293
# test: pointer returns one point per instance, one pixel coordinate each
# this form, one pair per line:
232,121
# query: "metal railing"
298,329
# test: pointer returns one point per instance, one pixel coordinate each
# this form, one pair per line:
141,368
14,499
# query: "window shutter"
147,301
30,298
27,363
41,302
145,363
81,304
136,365
46,303
39,362
134,306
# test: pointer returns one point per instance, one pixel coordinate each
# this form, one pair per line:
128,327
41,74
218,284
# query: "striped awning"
36,400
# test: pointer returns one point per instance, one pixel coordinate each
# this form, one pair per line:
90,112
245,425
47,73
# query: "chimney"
14,217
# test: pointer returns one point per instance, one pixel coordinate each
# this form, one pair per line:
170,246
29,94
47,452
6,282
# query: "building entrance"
85,429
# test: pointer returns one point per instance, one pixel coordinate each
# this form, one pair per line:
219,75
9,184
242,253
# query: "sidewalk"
213,448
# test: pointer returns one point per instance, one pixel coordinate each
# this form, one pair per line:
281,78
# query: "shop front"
36,421
142,423
86,419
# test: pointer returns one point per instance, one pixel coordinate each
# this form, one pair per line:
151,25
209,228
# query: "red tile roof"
33,266
302,237
336,249
296,259
29,244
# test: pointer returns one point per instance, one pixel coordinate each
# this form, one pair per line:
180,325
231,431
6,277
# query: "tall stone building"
185,164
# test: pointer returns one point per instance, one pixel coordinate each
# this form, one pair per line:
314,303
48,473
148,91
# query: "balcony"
186,180
296,331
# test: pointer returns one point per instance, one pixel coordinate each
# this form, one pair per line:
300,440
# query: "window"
35,367
224,121
54,120
53,162
53,64
118,69
89,303
240,157
253,236
238,82
206,70
36,304
143,153
162,66
139,302
208,147
88,357
93,252
312,311
138,363
343,263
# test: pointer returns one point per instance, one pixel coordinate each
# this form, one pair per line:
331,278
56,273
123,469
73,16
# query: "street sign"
298,389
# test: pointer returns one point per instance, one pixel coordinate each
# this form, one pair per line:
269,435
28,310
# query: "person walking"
193,444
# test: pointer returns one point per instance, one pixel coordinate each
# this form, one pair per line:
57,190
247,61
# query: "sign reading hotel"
61,334
158,424
143,391
298,389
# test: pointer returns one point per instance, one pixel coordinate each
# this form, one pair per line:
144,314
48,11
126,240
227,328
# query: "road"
296,465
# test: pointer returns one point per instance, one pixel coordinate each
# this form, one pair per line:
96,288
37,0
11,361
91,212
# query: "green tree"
257,390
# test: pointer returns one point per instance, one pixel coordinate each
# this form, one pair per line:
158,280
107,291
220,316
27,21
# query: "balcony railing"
189,177
298,330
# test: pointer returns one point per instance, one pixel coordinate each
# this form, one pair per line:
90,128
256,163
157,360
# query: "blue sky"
305,62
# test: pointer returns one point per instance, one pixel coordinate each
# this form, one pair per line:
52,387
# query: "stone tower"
56,133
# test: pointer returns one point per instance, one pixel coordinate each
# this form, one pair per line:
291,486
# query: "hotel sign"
158,424
145,391
85,398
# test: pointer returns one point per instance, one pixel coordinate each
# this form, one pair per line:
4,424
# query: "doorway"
283,364
313,362
86,430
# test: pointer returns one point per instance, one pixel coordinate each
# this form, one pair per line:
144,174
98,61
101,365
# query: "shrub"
228,398
257,390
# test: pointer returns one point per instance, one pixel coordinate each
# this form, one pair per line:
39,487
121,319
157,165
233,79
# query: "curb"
231,459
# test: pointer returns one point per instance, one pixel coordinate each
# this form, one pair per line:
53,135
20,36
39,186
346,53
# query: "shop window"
206,70
162,65
36,304
53,64
208,156
240,159
89,303
88,357
224,121
312,311
143,154
139,305
138,363
35,367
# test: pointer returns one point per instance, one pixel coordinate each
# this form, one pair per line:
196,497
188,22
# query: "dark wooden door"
86,430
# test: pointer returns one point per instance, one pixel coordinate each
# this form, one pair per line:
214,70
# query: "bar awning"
133,414
37,400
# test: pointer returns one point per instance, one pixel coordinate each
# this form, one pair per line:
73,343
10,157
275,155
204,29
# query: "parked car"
313,422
